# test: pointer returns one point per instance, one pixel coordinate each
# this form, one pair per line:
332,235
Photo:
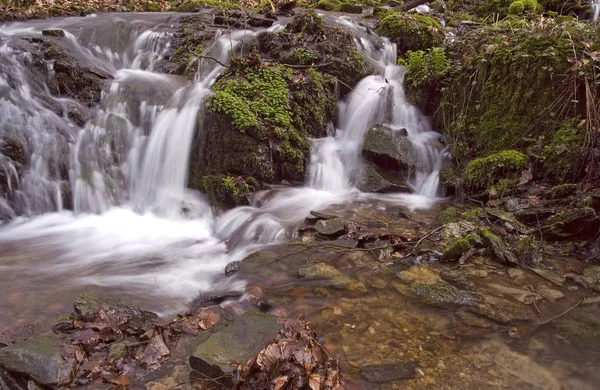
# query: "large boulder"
38,358
389,149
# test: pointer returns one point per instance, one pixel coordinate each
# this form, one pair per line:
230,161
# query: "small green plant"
423,66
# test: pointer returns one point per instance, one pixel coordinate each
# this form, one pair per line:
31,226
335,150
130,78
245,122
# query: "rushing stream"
124,219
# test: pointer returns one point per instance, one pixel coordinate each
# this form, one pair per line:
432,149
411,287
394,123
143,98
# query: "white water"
134,225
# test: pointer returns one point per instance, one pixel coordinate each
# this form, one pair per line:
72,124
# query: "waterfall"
105,202
335,163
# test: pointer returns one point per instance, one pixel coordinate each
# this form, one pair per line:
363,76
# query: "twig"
561,314
214,59
306,66
412,252
484,213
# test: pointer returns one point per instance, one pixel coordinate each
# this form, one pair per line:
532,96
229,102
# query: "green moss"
474,240
486,234
561,156
450,214
88,11
225,191
472,215
301,56
516,7
563,190
486,171
63,319
253,96
350,8
425,67
327,5
456,250
152,7
194,5
568,216
411,31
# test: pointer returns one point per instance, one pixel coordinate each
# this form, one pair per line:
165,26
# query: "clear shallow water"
135,229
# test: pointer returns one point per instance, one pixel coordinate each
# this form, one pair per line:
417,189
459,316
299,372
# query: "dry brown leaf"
278,383
314,381
208,318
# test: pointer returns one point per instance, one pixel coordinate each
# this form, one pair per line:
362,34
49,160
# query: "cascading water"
336,161
134,224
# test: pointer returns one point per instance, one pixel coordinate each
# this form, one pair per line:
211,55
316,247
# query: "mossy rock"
486,171
332,48
514,93
456,250
350,8
411,31
224,191
386,149
578,223
450,214
337,278
563,191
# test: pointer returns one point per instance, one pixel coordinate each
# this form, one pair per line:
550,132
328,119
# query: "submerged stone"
337,278
379,373
38,358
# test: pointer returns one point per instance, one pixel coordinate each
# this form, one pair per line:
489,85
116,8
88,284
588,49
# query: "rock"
116,351
577,223
86,306
549,276
388,151
319,215
38,358
502,310
517,275
518,365
237,343
524,296
419,274
459,229
372,181
456,250
232,267
211,300
333,227
513,204
337,278
549,294
443,294
351,8
53,33
379,373
533,216
497,247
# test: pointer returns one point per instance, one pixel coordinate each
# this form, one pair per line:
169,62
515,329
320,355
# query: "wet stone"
53,32
334,227
232,267
237,343
549,276
379,373
38,358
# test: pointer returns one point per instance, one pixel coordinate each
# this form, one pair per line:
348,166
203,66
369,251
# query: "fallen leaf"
155,351
280,382
314,381
526,176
